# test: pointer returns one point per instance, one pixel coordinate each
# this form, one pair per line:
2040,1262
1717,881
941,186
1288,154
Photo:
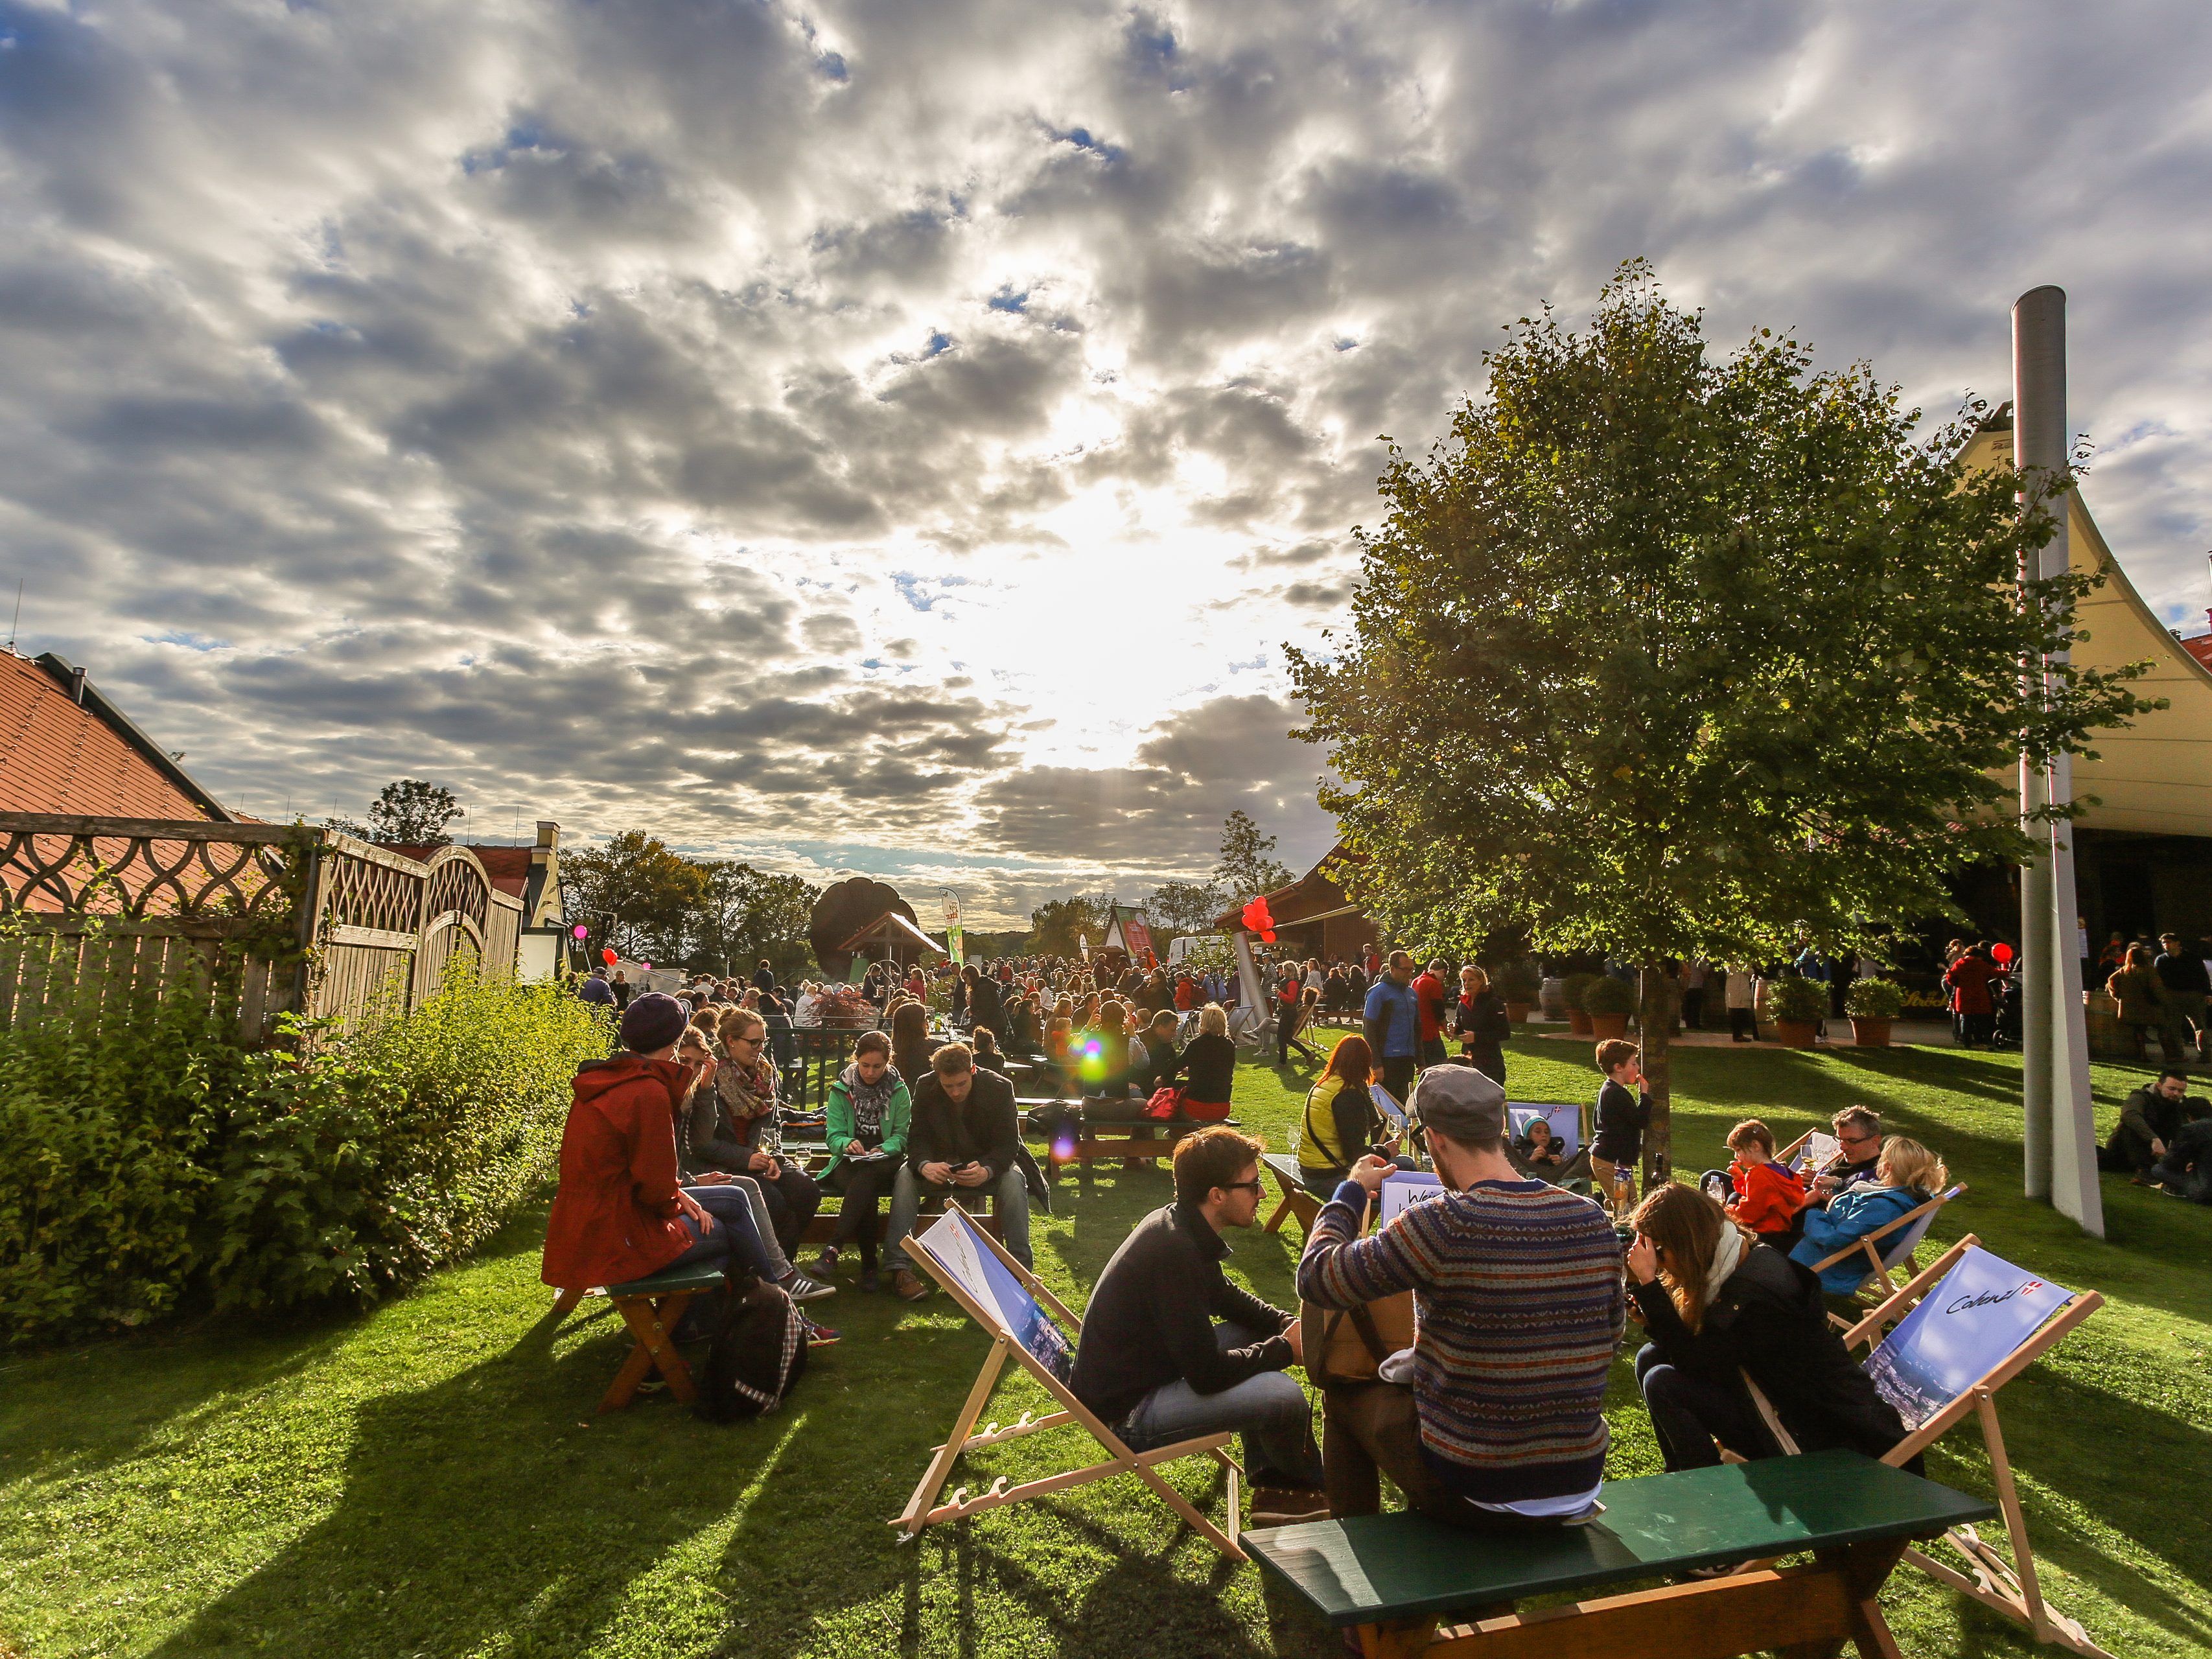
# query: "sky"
900,438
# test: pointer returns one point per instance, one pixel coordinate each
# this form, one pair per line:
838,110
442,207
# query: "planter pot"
1516,1013
1794,1034
1551,997
1870,1033
1578,1022
1608,1026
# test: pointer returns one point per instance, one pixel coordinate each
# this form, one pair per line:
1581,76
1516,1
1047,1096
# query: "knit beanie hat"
656,1019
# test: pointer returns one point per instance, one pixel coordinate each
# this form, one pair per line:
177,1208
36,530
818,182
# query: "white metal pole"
2056,1130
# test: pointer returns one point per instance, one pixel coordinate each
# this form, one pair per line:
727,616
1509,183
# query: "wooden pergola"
891,938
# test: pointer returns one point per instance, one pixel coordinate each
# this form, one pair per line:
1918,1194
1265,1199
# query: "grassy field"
429,1478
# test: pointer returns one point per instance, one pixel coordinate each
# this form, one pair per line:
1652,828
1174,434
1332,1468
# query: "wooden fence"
100,913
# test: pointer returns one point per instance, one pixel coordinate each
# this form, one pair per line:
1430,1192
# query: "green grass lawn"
429,1478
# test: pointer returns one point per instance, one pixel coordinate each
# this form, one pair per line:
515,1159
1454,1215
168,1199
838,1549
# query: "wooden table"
1400,1580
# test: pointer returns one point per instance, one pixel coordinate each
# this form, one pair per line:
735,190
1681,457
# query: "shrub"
1519,980
1607,995
1572,987
1873,999
164,1162
1801,1001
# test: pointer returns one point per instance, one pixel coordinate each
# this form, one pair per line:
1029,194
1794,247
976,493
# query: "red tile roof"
2200,647
507,866
57,755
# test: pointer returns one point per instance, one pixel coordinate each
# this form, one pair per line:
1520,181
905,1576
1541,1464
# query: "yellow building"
2143,847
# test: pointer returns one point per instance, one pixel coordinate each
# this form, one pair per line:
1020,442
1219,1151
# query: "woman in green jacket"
868,1112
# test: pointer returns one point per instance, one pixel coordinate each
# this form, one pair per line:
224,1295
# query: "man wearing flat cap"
1496,1420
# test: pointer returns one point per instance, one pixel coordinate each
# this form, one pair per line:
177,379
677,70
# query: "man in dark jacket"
986,1007
2149,1120
964,1140
2186,1169
2181,972
1152,1364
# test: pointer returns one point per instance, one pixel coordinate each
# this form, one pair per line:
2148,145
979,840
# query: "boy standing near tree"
1624,1112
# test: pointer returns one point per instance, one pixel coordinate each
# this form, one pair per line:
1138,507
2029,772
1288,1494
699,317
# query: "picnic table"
1397,1579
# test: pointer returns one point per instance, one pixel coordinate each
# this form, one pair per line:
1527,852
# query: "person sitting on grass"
867,1116
620,1213
1906,1176
1152,1364
2185,1171
965,1142
1766,1196
1517,1287
2151,1117
1342,1124
1717,1309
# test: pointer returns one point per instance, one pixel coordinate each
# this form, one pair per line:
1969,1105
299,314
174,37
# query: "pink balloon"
647,966
582,930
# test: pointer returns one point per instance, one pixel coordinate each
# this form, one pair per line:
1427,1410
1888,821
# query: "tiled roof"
2200,647
507,866
57,755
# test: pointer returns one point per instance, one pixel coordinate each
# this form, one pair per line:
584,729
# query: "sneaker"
908,1287
1287,1506
825,1264
799,1288
869,1283
820,1336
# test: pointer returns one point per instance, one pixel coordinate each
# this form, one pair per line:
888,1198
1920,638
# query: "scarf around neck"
869,1100
1728,1257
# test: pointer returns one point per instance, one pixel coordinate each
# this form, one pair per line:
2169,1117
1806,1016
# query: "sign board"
1820,1150
1969,1324
1137,936
1406,1187
954,947
956,1246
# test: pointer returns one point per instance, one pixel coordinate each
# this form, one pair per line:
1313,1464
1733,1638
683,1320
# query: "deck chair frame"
1880,1270
923,1509
2012,1590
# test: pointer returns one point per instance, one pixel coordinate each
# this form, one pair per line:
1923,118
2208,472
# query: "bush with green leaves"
1572,986
1607,995
158,1162
1799,1001
1873,999
1519,980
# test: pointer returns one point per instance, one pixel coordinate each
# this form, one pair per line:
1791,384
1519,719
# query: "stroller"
2009,1029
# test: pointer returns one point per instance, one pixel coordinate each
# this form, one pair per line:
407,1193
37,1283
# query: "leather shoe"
908,1287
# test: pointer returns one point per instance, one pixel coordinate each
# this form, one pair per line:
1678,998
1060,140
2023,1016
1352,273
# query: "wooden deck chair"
1013,1306
1965,1326
1886,1247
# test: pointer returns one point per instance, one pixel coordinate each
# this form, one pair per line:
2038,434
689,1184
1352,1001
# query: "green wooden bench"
1411,1586
650,1308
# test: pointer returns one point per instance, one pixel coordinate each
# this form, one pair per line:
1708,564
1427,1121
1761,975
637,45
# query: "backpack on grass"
758,1353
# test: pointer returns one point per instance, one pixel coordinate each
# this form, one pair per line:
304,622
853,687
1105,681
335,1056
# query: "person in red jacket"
1969,979
1768,1194
620,1214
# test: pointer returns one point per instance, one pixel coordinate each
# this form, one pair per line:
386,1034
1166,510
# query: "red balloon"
2002,953
608,955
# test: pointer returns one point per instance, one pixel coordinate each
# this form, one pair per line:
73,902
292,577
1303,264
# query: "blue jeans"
734,1238
1269,1409
1012,1194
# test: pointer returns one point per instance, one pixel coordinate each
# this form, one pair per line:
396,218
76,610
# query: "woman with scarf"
1717,1308
1479,1020
739,1130
869,1110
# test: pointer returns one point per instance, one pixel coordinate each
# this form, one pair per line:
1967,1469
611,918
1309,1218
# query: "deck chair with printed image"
1962,1330
1024,1321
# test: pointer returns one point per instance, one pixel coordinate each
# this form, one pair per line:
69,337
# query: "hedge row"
157,1163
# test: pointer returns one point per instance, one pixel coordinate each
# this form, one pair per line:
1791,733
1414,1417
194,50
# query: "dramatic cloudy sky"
900,436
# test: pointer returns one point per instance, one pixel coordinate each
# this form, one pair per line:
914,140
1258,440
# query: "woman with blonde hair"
1209,1065
1906,1176
1717,1308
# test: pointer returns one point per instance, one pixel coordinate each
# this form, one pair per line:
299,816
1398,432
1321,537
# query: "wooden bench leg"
1275,1221
652,1323
565,1303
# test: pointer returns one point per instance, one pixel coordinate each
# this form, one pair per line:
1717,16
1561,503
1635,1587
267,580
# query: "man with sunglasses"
1151,1361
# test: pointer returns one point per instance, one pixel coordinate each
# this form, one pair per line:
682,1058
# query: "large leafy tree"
406,813
1058,925
1662,653
635,894
1248,866
1176,907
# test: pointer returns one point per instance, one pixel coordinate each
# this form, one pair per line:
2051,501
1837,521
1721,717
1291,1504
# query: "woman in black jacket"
1716,1307
1207,1067
1478,1021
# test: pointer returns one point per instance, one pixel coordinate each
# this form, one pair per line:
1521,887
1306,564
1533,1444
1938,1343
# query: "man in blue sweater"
1518,1288
1393,1018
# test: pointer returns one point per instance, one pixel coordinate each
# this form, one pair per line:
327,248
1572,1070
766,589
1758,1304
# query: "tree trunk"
1657,1019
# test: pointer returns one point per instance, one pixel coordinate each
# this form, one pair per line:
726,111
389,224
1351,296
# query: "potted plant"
1517,983
1796,1007
1872,1004
1608,1002
1571,992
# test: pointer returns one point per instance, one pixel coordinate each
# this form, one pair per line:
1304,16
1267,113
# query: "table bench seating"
650,1308
1401,1580
1297,1200
1150,1138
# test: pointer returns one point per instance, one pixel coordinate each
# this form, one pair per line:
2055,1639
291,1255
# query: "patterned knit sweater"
1518,1289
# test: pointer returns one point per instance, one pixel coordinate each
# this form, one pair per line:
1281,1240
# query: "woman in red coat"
1969,979
620,1214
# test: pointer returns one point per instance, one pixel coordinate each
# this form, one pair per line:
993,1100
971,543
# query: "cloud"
905,434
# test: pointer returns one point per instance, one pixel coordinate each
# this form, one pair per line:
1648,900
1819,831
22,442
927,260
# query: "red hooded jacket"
1969,979
1767,1196
615,1217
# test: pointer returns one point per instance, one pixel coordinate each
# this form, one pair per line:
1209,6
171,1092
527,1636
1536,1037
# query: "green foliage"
1177,908
1057,925
1519,980
744,915
1248,866
1801,1001
1572,987
407,812
1660,654
635,894
1607,995
1873,999
158,1162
